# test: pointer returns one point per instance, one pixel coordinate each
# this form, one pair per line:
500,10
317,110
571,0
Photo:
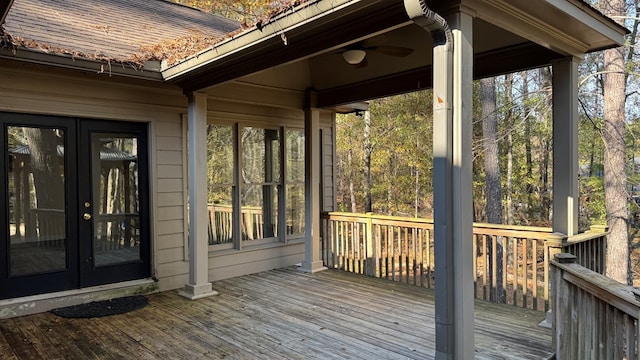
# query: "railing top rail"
366,216
575,239
508,230
608,290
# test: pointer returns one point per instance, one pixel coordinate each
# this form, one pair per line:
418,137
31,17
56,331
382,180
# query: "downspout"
442,37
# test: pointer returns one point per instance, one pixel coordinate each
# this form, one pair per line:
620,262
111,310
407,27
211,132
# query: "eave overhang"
572,29
569,27
298,34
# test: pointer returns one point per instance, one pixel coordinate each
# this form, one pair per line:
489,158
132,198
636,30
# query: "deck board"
279,314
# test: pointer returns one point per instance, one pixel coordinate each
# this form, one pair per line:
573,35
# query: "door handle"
86,216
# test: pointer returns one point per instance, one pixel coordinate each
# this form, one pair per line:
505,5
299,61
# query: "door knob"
86,216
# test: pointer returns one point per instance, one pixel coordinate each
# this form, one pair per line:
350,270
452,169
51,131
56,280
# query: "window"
260,182
245,163
220,155
295,181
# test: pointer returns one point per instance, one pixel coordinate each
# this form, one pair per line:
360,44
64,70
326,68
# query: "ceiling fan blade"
398,51
374,41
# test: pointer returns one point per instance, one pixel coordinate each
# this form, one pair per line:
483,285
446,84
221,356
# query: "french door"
75,195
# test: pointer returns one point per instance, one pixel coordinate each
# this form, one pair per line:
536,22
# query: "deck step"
28,305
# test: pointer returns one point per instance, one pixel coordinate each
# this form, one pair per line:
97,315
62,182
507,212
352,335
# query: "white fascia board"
595,21
521,23
286,22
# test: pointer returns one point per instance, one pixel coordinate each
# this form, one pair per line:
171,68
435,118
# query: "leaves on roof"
175,50
171,51
13,43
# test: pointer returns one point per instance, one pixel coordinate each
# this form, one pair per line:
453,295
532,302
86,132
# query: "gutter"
150,70
445,304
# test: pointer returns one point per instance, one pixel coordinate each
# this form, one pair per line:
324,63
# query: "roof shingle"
115,30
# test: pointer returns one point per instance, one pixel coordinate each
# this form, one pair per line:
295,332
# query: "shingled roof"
114,30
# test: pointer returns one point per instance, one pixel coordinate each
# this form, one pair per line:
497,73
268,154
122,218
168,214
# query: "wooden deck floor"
280,314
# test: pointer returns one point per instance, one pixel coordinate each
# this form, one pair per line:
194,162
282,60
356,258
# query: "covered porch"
274,315
299,54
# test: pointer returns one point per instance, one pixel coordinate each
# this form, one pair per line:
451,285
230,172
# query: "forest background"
384,155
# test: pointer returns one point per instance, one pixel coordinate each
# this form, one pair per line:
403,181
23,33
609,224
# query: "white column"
199,285
461,25
312,260
565,146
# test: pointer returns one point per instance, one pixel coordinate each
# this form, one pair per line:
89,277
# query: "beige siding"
251,261
99,97
95,96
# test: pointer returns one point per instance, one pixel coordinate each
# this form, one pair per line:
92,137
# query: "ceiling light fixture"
354,56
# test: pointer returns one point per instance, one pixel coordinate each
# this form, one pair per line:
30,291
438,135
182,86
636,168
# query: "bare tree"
368,148
615,177
492,171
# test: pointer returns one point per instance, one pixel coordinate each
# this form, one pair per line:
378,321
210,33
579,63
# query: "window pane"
220,215
220,155
295,209
295,156
220,160
38,241
253,155
259,212
260,180
295,181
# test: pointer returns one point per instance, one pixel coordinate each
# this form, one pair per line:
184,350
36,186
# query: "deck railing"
594,317
510,263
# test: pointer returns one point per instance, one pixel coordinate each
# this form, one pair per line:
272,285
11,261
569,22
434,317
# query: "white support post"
312,261
199,285
565,146
461,25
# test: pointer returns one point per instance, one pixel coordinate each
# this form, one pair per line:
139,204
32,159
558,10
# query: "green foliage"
401,161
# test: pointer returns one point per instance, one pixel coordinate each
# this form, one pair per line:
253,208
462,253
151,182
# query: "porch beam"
312,259
565,146
199,285
490,63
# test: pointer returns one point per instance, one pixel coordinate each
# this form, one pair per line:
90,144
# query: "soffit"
507,36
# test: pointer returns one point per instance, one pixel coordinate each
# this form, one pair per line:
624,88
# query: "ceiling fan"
355,54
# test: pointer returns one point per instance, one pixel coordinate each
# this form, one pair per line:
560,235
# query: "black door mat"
102,308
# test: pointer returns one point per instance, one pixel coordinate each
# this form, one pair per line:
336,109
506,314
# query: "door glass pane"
36,178
115,207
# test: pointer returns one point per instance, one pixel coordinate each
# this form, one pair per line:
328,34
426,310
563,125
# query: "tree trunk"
352,195
367,161
492,171
527,142
45,166
545,147
615,176
510,127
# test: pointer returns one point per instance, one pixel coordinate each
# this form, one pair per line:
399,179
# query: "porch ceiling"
508,36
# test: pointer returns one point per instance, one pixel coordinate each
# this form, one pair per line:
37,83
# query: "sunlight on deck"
279,314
